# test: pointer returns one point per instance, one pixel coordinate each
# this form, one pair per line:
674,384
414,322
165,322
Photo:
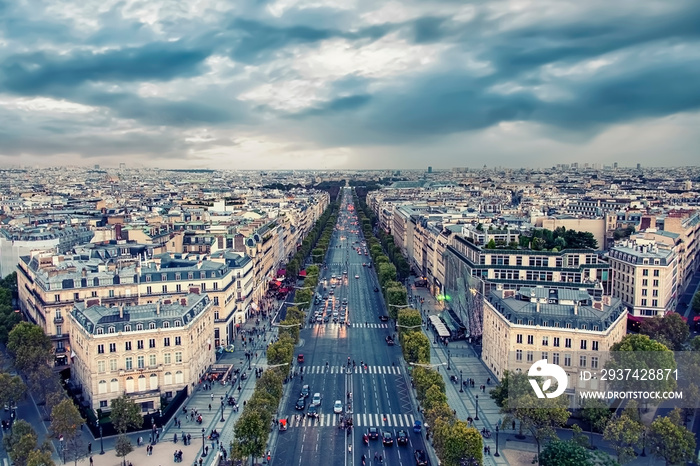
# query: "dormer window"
127,328
178,323
139,327
166,324
152,326
111,330
100,330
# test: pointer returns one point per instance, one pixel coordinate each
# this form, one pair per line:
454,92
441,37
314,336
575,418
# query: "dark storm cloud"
34,73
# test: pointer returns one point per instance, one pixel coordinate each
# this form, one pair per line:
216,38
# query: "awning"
254,306
440,327
275,283
281,272
302,273
636,319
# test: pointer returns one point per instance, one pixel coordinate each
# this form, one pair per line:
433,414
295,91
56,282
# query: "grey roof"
165,310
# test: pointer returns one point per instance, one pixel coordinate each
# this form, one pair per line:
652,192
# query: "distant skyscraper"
122,166
97,166
615,165
430,169
639,165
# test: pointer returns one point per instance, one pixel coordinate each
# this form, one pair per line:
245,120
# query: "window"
127,328
114,385
545,355
644,302
656,272
178,341
656,283
519,355
567,343
100,366
102,387
519,338
76,296
103,403
555,358
140,362
654,303
655,293
645,272
128,362
556,341
166,358
152,325
100,349
567,360
112,347
149,290
594,345
127,346
164,288
100,331
584,344
151,360
93,294
582,361
166,324
216,300
57,298
152,343
530,340
644,291
112,364
594,362
178,323
178,288
139,327
178,356
166,341
530,356
545,341
139,344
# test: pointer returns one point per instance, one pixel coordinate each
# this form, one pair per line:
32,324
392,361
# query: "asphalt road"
380,393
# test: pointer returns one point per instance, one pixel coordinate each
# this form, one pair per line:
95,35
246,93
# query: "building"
147,351
566,327
644,277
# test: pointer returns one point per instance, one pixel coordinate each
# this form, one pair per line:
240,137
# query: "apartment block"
146,351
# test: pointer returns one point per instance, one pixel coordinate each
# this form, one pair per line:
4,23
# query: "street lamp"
203,452
476,418
448,360
644,443
63,449
461,382
102,447
222,411
497,429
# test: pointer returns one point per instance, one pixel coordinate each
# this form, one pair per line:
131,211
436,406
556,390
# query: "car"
331,292
319,319
364,264
421,458
301,403
312,411
316,400
335,313
357,276
338,407
402,437
373,433
376,289
327,318
345,301
305,391
300,358
342,319
389,341
387,439
383,318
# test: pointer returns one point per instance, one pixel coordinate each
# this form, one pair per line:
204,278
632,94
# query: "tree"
40,457
290,329
415,347
670,330
409,320
456,442
424,378
281,351
29,346
125,414
439,411
624,434
271,382
596,413
123,447
434,397
563,453
12,389
21,442
250,435
696,302
386,273
670,440
65,422
491,244
518,382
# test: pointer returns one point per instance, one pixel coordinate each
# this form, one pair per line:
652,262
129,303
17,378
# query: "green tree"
125,414
695,344
596,413
302,298
290,329
456,442
491,244
29,346
250,435
386,273
40,458
123,447
409,320
271,382
696,302
670,330
281,351
416,348
12,389
65,422
21,441
670,440
434,397
563,453
624,434
438,411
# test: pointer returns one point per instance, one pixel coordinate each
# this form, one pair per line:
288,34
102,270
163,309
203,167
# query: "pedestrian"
90,460
513,425
209,406
89,447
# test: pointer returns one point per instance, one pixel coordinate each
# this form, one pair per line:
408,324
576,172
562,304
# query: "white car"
316,400
338,407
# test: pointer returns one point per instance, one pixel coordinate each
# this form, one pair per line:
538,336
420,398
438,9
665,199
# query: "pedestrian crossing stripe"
356,370
359,420
372,325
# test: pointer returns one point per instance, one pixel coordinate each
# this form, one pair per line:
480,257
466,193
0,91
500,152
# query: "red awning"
302,273
281,272
275,283
636,319
696,319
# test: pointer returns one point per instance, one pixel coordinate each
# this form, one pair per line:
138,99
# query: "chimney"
537,306
158,307
121,311
575,308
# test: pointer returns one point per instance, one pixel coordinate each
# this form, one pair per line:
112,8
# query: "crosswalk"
356,370
359,420
374,325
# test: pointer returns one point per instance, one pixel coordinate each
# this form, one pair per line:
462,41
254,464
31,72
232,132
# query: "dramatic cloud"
354,83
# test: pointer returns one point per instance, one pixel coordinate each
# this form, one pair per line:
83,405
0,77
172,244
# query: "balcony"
58,320
59,336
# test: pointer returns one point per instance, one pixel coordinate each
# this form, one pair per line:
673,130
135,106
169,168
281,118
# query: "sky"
349,84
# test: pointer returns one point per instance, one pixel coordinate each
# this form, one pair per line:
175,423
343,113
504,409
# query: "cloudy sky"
349,83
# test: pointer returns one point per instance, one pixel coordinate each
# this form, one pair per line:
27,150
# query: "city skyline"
336,85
